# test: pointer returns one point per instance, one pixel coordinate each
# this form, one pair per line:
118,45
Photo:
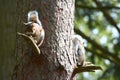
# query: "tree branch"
88,68
31,42
107,15
112,56
99,54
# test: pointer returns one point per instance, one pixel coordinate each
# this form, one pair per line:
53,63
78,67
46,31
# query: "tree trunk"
56,61
7,38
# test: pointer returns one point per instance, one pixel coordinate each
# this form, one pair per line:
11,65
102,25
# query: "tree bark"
56,61
7,38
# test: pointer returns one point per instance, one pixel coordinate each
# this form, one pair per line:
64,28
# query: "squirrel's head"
33,16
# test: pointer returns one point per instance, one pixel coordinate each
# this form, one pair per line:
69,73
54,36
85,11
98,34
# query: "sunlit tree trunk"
56,59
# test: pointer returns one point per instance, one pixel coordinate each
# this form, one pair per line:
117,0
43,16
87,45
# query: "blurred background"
97,21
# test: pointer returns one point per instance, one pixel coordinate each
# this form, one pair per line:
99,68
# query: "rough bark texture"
56,62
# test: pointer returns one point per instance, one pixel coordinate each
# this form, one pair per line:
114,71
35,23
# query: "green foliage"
93,22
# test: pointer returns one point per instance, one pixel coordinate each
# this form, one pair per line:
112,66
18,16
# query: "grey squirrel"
78,49
34,28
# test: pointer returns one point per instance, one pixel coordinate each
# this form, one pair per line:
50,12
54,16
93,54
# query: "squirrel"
34,28
78,49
